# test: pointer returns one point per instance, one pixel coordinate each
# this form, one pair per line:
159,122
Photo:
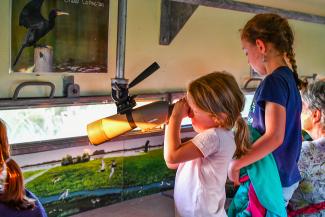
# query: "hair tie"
8,159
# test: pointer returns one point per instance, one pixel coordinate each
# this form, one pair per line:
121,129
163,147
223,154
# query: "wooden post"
43,59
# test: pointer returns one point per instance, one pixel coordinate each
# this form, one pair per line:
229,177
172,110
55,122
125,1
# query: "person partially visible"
309,198
214,103
313,110
15,200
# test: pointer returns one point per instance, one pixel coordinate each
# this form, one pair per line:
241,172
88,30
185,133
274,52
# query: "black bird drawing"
37,26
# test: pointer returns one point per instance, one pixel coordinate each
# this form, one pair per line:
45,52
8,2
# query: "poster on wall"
59,36
73,180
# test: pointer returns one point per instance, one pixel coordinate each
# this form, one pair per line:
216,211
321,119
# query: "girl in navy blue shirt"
267,41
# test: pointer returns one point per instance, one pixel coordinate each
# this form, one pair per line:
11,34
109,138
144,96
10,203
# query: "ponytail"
241,137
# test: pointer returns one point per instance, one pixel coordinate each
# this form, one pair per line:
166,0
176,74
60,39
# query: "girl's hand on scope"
181,109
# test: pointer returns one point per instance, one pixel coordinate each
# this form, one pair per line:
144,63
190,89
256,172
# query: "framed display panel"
81,178
76,42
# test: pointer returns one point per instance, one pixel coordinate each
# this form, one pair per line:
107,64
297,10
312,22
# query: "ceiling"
315,7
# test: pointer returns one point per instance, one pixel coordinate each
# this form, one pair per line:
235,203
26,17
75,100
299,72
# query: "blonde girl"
214,103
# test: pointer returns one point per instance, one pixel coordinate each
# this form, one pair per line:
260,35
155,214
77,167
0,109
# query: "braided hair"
274,29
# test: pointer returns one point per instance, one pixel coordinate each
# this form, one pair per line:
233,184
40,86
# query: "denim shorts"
288,192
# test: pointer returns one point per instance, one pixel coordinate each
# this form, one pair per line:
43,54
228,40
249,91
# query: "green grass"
130,171
145,169
31,173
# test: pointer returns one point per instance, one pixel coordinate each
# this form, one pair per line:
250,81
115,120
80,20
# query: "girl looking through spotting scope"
213,102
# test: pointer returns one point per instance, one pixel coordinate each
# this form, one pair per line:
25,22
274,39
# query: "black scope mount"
120,89
120,94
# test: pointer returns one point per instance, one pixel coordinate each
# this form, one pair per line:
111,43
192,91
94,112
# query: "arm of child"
174,151
275,121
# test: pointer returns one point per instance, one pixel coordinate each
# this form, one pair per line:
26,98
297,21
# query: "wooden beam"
256,9
173,17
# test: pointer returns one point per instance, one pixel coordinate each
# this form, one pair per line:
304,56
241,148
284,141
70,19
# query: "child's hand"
233,172
181,109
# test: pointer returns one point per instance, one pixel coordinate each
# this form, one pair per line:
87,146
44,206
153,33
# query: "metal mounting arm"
120,87
120,91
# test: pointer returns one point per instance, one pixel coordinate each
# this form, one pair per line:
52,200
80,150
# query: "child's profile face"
201,120
254,57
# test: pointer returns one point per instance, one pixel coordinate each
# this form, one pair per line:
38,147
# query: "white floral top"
311,164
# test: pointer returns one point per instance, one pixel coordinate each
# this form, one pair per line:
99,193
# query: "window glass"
248,102
38,124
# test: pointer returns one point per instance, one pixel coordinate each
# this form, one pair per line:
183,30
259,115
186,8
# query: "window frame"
54,144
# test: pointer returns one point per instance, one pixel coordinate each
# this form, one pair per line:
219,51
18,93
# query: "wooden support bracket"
256,9
175,13
173,17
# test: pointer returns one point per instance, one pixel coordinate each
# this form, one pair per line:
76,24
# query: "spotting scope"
145,117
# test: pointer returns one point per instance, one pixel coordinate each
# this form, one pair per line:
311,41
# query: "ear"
261,46
316,114
219,119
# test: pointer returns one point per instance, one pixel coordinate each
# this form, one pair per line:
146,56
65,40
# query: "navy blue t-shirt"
280,87
37,211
